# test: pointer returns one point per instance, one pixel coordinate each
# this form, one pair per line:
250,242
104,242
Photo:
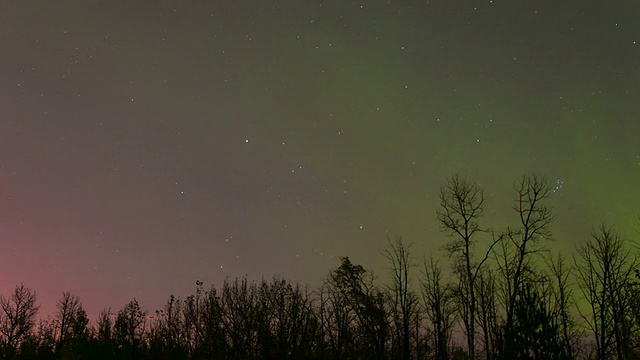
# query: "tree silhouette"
354,311
104,339
461,207
439,307
503,298
72,321
522,241
604,273
17,317
240,317
403,300
204,316
287,328
40,342
167,332
535,332
564,303
337,320
129,328
487,291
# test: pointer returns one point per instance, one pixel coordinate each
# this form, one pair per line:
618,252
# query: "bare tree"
604,271
563,303
285,323
192,327
167,331
212,334
17,317
439,307
240,317
336,319
461,207
71,320
487,289
522,241
404,301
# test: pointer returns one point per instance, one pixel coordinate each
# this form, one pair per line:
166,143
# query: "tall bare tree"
404,301
461,207
439,308
71,321
336,319
17,317
563,303
604,272
522,241
487,290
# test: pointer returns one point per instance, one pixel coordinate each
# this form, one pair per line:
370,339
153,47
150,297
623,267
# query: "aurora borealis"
145,145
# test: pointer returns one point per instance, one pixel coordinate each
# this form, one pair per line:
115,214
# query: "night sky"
145,145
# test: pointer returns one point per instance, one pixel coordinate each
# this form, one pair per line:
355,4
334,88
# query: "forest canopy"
496,294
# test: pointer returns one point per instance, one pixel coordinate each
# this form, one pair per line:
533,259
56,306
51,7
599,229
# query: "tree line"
500,294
